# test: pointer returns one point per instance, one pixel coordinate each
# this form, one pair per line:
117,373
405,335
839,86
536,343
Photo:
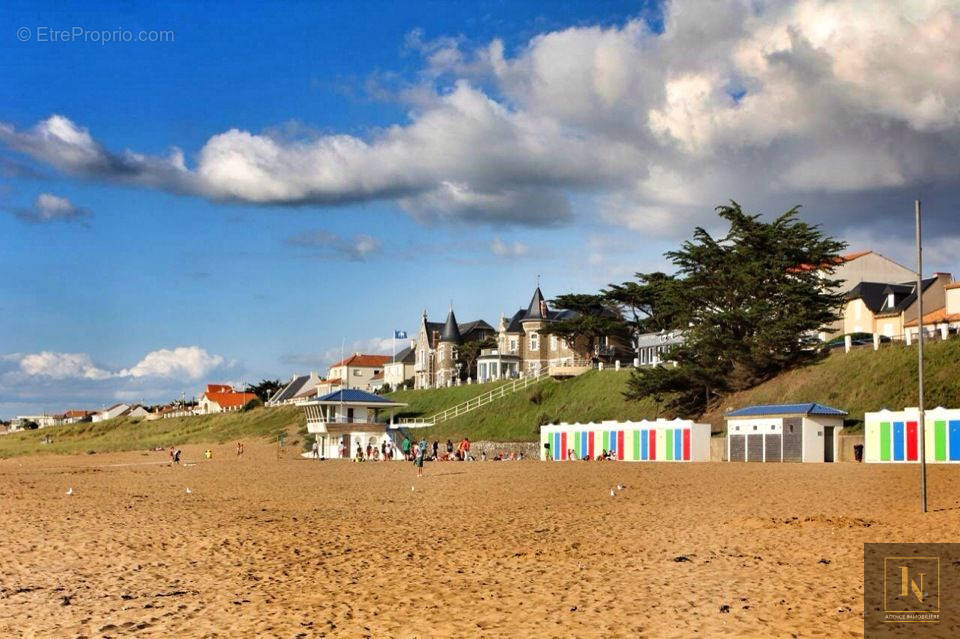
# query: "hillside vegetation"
860,381
137,434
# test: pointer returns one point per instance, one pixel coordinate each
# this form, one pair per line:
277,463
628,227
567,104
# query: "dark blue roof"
810,408
355,395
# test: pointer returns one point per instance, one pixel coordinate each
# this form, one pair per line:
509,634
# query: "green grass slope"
592,396
862,380
137,434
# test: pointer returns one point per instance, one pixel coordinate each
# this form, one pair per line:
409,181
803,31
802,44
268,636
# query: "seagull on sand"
70,491
620,486
189,491
612,494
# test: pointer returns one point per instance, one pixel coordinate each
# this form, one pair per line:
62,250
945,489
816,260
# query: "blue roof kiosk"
784,433
349,417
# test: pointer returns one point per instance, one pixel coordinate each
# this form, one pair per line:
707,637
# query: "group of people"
460,452
606,455
384,452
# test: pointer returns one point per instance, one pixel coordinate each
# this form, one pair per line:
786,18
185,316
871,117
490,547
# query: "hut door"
793,439
737,448
828,443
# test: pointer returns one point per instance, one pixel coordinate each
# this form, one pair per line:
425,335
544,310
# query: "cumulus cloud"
62,366
51,208
327,245
185,361
191,362
787,102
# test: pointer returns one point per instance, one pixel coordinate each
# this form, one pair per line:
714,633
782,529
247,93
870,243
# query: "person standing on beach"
342,450
436,446
316,449
418,459
405,447
449,449
466,448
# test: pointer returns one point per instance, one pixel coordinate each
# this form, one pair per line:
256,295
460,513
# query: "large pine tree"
749,304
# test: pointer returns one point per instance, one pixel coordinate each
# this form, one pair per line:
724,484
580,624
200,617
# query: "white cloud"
51,208
189,361
785,102
62,366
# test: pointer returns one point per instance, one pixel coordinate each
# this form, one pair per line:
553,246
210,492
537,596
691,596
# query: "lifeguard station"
349,416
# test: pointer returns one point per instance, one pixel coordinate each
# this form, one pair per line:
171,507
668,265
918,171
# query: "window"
357,372
534,341
754,428
513,344
553,342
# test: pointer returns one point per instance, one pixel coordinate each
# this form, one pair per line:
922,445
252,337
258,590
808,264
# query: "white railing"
475,402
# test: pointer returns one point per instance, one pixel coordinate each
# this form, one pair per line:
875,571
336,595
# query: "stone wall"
530,450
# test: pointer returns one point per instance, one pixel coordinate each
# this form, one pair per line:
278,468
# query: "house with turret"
437,363
520,348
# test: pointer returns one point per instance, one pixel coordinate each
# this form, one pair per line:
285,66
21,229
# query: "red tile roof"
935,317
849,257
219,388
953,285
78,413
362,360
230,399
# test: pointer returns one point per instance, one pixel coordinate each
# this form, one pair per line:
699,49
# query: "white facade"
114,411
812,431
396,373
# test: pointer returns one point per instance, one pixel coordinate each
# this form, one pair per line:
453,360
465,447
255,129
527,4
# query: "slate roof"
451,332
407,355
874,294
903,301
290,390
810,408
537,310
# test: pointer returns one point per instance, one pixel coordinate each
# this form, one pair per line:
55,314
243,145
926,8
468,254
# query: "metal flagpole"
923,439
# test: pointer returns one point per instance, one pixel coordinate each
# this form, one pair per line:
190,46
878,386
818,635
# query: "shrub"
253,403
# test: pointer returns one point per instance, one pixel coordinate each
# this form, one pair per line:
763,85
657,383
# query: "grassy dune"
860,381
137,434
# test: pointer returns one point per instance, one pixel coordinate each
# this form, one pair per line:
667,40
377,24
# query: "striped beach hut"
678,440
784,433
894,436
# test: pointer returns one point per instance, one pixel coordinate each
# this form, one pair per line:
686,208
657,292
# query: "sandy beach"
299,548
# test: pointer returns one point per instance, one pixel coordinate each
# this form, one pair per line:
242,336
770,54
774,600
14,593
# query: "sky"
229,192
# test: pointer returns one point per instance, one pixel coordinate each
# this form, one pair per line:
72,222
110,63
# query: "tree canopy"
595,317
266,389
749,304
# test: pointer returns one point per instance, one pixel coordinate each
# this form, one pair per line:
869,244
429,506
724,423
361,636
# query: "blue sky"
232,204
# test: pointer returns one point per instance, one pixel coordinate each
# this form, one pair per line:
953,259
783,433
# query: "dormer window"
890,302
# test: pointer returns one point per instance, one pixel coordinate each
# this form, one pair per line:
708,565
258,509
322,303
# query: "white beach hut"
784,432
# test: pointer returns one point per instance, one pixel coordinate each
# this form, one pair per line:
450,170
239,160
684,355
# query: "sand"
299,548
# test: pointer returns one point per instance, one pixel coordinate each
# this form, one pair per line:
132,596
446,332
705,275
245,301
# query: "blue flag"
399,335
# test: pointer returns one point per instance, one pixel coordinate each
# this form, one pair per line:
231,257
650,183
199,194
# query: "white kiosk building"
350,417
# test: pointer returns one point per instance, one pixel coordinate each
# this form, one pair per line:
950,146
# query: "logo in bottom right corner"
911,589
